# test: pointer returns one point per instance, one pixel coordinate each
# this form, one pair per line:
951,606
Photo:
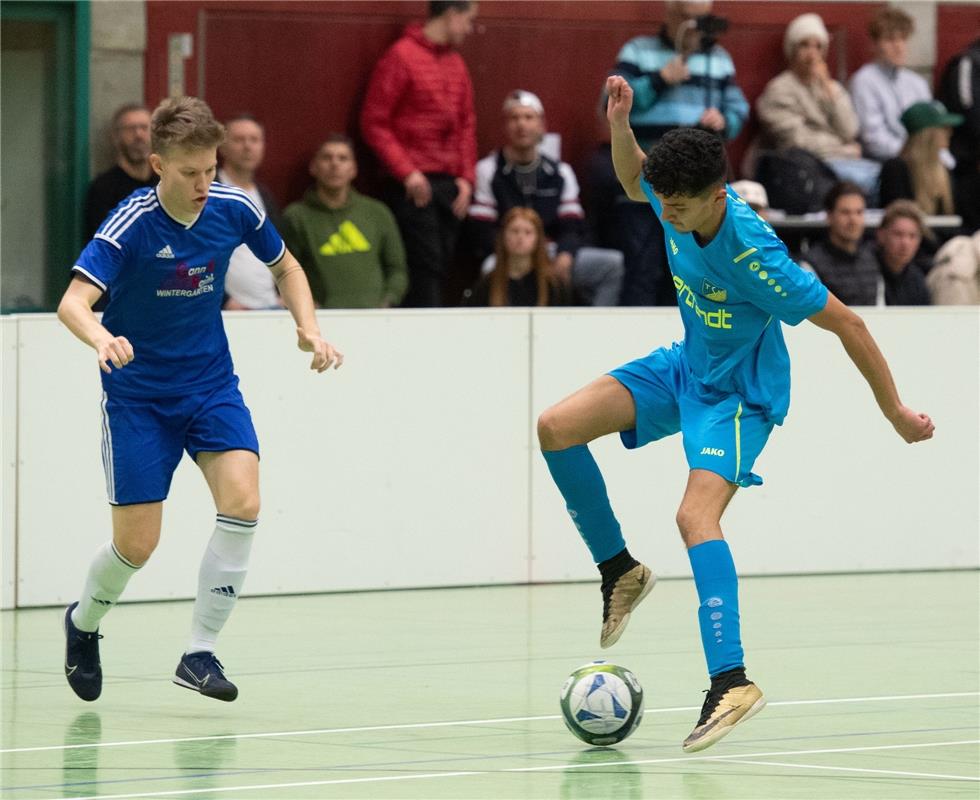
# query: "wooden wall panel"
302,67
957,25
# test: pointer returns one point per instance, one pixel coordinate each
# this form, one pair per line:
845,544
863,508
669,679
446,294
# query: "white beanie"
752,193
803,27
522,97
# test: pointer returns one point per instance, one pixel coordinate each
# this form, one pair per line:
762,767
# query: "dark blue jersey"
167,282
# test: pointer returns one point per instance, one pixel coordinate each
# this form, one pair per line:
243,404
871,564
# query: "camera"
710,27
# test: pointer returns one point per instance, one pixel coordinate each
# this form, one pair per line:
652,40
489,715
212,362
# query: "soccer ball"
602,703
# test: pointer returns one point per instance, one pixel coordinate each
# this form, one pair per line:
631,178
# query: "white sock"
220,580
107,577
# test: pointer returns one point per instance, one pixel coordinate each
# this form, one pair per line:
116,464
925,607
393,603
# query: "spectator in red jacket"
418,118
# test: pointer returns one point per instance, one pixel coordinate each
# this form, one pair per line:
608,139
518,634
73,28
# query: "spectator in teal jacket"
680,77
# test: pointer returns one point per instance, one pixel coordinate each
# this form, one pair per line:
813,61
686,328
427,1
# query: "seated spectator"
249,284
522,274
348,244
132,171
959,89
754,194
902,229
919,173
519,174
843,260
804,107
884,88
955,278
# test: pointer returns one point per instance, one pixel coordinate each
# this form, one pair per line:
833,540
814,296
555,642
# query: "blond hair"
930,178
184,122
905,209
540,262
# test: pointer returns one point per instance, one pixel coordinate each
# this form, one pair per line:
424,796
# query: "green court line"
452,723
389,778
741,756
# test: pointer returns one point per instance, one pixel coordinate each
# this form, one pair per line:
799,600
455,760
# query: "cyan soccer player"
723,388
169,384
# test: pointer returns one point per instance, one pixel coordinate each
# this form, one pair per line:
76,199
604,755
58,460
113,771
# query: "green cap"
919,116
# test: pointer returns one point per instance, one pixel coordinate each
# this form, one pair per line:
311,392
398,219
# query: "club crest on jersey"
713,292
721,318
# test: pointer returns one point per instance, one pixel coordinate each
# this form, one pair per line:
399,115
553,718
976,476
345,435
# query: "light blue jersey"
733,293
166,281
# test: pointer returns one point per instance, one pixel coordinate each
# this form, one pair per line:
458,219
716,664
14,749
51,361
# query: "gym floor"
872,682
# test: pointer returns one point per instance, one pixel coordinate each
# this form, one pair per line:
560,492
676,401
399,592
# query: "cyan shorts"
722,434
144,440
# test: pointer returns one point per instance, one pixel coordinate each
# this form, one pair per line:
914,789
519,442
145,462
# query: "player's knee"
689,520
241,505
137,549
551,430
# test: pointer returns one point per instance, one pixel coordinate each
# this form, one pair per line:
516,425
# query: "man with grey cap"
520,174
805,107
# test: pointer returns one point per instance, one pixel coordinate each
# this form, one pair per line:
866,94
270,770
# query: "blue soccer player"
169,384
723,388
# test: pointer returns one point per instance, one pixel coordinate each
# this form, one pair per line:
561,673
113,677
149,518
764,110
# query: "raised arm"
295,292
860,346
627,155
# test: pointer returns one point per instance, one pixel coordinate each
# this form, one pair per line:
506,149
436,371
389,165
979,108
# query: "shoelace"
87,637
717,692
210,661
711,701
607,592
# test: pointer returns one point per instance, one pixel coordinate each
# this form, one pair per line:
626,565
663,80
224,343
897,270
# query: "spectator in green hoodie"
348,244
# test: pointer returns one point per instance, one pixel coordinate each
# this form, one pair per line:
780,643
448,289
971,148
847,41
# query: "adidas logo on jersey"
348,239
165,252
226,591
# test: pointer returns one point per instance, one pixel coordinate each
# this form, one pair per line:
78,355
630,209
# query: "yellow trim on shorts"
738,442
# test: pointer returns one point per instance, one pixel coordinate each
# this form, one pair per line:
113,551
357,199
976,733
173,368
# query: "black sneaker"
82,665
202,672
732,699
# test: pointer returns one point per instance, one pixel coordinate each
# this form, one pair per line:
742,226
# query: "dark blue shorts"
144,440
721,434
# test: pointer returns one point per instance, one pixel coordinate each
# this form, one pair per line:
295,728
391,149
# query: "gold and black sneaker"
619,598
732,699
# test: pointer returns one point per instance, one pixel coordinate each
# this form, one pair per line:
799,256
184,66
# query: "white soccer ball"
602,703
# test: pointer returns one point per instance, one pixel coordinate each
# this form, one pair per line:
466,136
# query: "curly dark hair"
686,161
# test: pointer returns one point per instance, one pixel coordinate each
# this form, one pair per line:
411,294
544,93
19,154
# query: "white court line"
339,781
452,723
861,769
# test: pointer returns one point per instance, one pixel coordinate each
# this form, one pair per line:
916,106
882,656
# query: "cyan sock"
580,482
717,583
